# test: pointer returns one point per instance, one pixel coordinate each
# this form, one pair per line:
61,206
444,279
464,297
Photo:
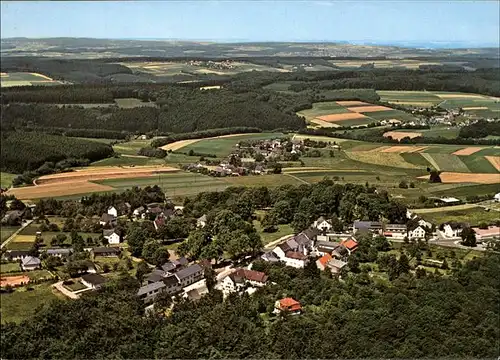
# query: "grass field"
131,147
438,131
6,179
223,146
25,79
468,190
472,215
6,231
21,304
8,267
269,237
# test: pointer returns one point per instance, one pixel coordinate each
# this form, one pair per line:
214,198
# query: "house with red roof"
350,244
323,261
289,305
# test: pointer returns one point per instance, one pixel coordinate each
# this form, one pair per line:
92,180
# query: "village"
319,244
260,157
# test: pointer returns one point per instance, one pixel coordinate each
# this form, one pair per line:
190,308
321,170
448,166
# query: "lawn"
128,161
7,231
222,147
468,190
75,286
8,267
20,304
269,237
473,216
6,179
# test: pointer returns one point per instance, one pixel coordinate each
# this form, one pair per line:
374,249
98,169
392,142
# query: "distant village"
261,157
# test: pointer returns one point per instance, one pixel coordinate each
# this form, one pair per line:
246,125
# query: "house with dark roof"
373,226
325,247
238,279
189,275
30,263
15,255
93,281
105,251
155,276
270,256
107,220
175,265
12,217
168,284
62,253
112,236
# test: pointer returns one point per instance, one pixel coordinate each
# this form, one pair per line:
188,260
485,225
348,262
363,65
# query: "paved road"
6,242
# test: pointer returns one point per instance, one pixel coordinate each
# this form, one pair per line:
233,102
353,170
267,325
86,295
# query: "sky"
475,23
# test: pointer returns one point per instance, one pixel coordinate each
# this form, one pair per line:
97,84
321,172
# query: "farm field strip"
398,135
55,189
495,161
403,149
323,123
444,208
385,159
372,108
476,178
447,162
340,117
467,151
103,173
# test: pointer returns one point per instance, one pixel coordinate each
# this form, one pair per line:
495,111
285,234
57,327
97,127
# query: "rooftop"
94,279
295,255
188,271
150,287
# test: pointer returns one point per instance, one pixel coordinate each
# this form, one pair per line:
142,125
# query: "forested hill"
425,317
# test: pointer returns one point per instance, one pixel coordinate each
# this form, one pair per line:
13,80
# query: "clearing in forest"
468,151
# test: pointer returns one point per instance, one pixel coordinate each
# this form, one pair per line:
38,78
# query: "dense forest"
22,151
424,316
480,129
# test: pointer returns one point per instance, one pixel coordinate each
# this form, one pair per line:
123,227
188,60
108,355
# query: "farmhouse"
93,281
322,224
112,211
417,232
111,236
289,305
237,280
30,263
451,230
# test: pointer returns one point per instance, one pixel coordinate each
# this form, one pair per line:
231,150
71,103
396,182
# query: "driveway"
6,242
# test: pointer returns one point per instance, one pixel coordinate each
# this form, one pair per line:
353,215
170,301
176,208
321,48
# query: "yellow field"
24,238
377,158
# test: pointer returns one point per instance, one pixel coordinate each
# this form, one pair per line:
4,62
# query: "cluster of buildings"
172,278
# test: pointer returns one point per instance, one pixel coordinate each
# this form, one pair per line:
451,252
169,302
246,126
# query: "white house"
30,263
237,279
452,230
417,233
497,197
112,211
93,281
322,224
290,258
424,223
201,221
111,236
